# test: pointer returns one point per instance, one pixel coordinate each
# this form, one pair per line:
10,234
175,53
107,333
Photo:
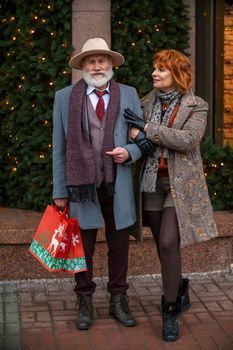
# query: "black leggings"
165,230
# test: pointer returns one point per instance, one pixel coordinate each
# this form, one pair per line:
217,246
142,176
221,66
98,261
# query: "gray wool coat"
186,173
89,214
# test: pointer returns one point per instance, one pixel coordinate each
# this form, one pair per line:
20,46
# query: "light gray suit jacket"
89,214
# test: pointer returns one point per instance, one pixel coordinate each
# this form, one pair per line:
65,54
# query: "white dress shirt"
94,98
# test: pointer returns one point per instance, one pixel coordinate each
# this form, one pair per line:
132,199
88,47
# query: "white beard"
98,81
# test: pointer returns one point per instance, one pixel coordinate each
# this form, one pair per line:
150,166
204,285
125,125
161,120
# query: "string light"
13,170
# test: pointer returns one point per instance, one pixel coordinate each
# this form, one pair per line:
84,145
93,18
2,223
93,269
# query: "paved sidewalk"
40,315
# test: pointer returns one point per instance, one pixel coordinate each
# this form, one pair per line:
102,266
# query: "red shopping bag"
57,244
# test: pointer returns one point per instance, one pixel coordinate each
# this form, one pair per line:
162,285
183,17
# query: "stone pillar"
90,19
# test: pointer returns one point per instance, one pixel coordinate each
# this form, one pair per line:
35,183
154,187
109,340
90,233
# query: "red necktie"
100,104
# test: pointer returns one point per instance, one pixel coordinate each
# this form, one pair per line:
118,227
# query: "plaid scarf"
80,163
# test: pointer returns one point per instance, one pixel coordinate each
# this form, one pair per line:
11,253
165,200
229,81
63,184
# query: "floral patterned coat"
187,179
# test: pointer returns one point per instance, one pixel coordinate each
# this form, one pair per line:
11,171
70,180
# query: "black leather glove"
146,146
133,119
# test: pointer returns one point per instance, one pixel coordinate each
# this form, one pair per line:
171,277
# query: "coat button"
156,138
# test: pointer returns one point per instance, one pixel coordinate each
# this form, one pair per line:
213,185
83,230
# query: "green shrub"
35,44
139,29
218,166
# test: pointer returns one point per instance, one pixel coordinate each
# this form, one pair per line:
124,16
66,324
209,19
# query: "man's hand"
133,119
119,154
61,202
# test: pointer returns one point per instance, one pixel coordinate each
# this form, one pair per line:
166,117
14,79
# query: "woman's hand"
146,146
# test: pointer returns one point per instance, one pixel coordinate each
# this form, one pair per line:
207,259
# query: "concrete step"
18,228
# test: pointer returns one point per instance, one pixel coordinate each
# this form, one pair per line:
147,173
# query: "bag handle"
63,211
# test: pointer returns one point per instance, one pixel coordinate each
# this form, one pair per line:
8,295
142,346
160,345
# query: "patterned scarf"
159,117
80,163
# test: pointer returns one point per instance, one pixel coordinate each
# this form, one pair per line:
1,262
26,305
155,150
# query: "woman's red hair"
178,64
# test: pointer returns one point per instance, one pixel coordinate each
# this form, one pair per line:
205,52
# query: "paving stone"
48,315
13,342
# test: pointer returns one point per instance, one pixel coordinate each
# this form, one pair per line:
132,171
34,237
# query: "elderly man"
92,170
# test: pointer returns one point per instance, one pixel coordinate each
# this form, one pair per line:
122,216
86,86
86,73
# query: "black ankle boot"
170,312
85,312
119,309
183,294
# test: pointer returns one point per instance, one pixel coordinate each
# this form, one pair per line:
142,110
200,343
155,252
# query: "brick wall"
228,75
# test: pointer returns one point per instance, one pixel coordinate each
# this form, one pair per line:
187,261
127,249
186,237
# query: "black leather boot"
85,312
119,309
170,312
183,294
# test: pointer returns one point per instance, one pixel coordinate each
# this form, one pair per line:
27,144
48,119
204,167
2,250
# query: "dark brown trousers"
118,248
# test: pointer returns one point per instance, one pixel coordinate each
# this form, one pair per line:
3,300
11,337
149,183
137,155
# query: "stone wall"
228,75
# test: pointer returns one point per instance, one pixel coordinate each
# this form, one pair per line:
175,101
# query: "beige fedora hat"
92,47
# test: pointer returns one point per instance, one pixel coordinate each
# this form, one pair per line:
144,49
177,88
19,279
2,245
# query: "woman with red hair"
175,202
